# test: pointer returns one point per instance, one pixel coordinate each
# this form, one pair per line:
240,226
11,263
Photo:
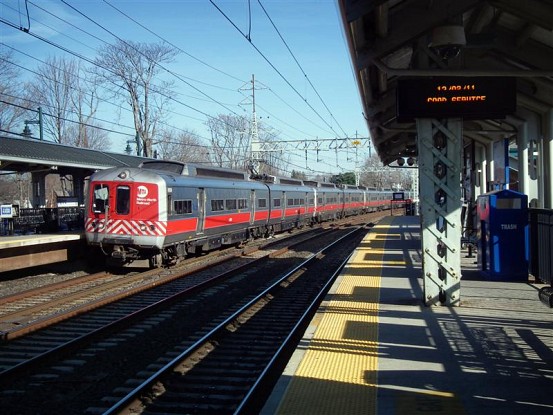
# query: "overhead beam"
356,9
533,11
422,17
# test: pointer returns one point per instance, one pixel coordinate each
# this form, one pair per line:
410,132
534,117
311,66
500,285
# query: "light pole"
27,131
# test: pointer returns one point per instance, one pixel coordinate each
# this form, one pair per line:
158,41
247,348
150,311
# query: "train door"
252,208
201,210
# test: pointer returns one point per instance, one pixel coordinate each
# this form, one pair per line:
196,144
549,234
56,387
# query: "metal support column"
523,171
38,181
548,160
440,151
79,187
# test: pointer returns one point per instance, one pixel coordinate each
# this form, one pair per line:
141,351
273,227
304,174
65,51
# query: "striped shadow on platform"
338,372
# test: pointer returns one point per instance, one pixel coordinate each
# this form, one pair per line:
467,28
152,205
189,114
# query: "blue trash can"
503,239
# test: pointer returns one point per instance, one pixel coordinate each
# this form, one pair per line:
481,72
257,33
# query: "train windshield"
123,200
101,197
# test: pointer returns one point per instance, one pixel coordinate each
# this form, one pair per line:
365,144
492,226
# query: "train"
163,211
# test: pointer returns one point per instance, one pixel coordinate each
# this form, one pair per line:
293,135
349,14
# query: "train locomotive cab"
124,216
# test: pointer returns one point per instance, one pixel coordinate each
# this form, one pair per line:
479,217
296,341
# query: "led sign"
452,97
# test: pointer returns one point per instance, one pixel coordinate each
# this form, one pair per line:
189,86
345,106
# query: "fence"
44,220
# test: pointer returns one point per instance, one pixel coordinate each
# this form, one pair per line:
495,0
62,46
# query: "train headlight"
124,174
143,227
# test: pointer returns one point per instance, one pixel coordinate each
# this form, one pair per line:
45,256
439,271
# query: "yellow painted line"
337,374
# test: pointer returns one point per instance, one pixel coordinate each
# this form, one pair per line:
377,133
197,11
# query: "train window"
123,200
262,203
311,201
182,207
217,205
230,204
276,202
297,202
101,196
302,201
290,202
320,200
242,203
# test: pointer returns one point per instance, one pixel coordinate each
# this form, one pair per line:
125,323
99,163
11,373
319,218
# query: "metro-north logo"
142,191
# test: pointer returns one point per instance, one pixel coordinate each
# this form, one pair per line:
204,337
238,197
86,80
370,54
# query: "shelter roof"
394,39
28,155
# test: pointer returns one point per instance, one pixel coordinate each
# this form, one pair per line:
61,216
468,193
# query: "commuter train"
163,211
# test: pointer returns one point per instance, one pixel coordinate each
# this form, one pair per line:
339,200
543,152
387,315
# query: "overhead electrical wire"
142,54
86,59
172,73
210,66
103,67
65,119
271,65
101,128
105,42
101,40
172,44
165,40
299,66
120,107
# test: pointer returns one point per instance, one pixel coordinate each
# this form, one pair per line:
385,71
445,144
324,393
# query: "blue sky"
311,29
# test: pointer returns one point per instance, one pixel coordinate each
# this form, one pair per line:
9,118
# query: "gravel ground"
20,280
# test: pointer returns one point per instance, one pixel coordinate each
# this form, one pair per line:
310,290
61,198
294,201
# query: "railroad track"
25,312
150,327
233,367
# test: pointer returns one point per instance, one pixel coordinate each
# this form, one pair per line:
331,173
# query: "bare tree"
375,174
297,174
85,100
11,103
185,146
69,102
86,134
273,158
230,141
52,87
134,67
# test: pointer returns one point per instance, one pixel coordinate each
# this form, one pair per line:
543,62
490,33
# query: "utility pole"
256,154
356,144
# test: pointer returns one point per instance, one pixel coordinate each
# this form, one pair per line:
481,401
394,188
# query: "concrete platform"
374,348
18,252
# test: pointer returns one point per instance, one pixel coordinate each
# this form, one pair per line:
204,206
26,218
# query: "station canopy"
31,155
400,42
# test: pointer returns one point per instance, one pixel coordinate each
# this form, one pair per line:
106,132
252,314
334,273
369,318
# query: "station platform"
24,251
375,348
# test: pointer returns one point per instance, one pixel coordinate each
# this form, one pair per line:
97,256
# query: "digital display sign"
452,97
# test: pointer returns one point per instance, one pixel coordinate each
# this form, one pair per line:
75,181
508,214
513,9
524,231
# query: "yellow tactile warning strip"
337,374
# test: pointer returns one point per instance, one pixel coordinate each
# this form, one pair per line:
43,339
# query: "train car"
290,199
163,211
354,200
328,201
